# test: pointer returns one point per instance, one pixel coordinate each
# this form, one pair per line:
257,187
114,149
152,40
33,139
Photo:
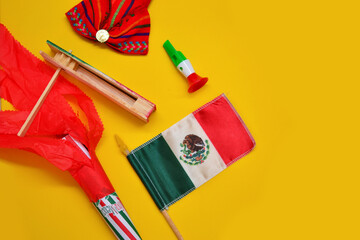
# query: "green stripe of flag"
161,172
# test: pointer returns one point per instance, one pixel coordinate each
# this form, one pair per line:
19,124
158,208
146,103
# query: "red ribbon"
23,77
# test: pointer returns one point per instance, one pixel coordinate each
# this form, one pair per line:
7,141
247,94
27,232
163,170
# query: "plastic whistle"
184,66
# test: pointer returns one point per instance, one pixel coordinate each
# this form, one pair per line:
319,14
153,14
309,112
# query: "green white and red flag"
192,151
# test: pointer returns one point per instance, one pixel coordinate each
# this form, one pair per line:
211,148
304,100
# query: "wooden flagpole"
172,224
124,149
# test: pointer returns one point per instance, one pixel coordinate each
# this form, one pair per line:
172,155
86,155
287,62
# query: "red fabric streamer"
23,78
126,21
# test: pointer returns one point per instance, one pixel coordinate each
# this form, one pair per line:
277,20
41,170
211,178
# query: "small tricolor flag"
183,157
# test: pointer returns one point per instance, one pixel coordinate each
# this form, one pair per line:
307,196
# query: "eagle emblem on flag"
194,150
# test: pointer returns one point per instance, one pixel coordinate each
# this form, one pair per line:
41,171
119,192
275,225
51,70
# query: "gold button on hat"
102,35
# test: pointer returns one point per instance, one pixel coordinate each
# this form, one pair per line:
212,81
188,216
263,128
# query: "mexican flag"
189,153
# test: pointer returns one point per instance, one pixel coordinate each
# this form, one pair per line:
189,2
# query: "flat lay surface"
290,69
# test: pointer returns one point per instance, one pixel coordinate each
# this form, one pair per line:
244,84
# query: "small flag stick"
172,224
125,150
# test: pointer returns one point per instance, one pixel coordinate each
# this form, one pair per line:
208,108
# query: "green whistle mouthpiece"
184,66
176,56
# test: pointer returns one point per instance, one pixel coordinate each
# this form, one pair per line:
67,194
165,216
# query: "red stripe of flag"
225,129
125,230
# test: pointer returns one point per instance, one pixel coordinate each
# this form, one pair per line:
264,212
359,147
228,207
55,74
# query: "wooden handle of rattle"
38,104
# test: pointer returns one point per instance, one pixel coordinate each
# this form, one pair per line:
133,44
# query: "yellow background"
290,68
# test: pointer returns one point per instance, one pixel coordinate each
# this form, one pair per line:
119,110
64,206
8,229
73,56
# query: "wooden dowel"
172,225
38,104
